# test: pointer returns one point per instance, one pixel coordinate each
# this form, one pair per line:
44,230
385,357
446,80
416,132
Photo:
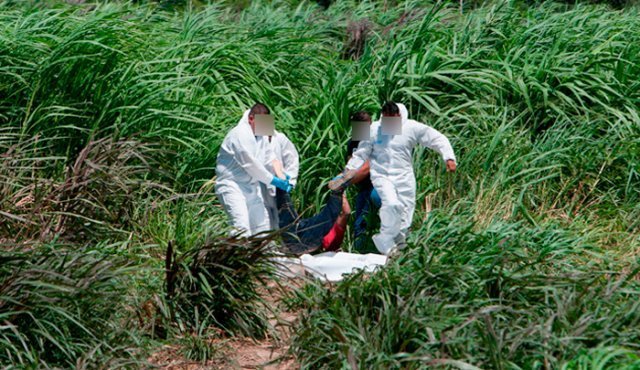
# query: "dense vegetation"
112,240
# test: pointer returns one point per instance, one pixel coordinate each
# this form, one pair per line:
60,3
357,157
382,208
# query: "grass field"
113,242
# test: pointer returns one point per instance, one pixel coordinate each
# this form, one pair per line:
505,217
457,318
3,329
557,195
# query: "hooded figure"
241,167
285,152
391,171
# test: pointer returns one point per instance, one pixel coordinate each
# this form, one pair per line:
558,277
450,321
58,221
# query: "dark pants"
305,235
365,204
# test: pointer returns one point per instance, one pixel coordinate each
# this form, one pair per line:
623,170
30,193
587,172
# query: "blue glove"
289,178
281,184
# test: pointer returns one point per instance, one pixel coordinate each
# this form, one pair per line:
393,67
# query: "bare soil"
272,353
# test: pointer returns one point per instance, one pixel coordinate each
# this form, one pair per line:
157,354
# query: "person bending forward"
241,166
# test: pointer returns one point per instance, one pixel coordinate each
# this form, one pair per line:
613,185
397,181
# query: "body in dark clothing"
305,235
366,200
365,184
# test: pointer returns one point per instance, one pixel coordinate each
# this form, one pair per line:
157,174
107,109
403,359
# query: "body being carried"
391,170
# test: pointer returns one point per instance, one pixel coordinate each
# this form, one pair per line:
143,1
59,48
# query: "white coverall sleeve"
254,166
360,155
291,160
434,139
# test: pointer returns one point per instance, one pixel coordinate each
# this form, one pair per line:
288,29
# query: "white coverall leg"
246,210
390,215
396,212
407,194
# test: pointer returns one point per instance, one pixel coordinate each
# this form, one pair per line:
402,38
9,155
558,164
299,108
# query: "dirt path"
271,353
242,353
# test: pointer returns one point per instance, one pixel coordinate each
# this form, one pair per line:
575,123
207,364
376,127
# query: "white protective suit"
391,162
285,152
242,164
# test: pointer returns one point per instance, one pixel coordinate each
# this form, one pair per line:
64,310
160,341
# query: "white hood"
404,113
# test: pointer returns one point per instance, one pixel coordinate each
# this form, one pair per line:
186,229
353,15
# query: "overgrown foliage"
506,296
93,197
111,115
219,284
64,307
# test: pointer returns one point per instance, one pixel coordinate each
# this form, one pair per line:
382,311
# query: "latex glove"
289,178
281,184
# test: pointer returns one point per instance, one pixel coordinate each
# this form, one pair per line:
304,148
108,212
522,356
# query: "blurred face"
263,125
391,124
360,130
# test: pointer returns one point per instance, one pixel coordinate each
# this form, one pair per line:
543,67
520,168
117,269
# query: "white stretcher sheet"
331,266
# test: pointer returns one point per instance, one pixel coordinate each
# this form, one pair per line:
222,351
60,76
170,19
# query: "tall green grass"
506,296
65,307
111,116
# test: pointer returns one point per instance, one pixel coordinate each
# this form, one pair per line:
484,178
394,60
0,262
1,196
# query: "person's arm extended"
435,140
254,167
361,155
277,168
363,173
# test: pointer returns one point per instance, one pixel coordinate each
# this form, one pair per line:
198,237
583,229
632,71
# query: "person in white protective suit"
391,170
243,163
287,155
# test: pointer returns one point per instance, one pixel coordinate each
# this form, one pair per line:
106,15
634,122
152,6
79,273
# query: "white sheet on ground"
331,266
